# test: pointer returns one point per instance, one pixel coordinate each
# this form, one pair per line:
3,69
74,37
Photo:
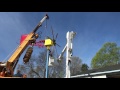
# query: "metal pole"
67,70
69,37
69,63
47,64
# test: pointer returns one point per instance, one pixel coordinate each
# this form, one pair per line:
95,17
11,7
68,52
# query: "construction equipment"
48,43
13,60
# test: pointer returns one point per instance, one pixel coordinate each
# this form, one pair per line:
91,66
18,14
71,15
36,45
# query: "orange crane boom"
31,37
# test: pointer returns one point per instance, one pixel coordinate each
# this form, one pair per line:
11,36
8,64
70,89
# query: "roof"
108,70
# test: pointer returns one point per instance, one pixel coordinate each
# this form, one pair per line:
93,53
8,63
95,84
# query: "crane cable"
46,28
10,54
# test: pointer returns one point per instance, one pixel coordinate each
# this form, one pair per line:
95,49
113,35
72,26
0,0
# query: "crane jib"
40,23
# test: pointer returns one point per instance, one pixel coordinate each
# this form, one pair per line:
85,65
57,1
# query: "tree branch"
34,71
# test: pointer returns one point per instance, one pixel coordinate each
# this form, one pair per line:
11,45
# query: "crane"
14,58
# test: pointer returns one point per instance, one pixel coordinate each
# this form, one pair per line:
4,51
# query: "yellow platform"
48,42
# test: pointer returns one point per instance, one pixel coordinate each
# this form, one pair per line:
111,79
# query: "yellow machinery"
48,43
13,60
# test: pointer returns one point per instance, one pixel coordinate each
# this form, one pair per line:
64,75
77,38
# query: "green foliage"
108,55
84,67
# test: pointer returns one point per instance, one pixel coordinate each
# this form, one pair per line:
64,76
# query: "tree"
76,64
84,67
57,70
35,68
108,55
37,64
59,67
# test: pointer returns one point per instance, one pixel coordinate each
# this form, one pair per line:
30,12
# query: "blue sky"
93,30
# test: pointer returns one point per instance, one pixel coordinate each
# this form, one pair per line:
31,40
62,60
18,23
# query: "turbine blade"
58,45
56,36
52,32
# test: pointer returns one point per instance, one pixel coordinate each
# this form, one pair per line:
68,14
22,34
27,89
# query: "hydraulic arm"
31,38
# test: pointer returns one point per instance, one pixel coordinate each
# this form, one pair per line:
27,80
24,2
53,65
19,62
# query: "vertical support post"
46,75
69,63
67,67
69,36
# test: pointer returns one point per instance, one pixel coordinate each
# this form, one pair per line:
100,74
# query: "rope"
9,54
46,29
